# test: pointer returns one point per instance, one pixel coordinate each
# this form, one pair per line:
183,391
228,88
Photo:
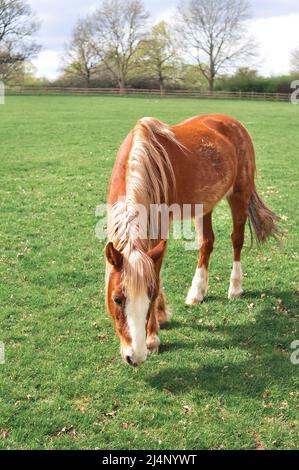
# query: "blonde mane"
149,178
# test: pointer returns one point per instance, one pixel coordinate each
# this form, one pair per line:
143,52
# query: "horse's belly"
206,183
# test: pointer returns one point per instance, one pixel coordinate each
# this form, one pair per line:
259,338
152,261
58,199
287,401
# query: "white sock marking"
199,286
236,280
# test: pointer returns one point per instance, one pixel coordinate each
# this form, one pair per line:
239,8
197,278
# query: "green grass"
63,385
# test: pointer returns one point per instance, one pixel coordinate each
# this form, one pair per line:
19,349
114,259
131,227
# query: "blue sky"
275,23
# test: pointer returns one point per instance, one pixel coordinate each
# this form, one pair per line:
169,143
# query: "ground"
223,379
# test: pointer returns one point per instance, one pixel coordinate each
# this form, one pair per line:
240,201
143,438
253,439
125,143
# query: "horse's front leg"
158,313
163,310
152,331
199,285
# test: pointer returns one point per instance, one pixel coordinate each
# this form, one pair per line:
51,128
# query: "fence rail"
241,95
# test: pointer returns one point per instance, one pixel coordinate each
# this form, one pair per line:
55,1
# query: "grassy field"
224,378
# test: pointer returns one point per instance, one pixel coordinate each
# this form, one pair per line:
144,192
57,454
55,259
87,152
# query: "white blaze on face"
136,312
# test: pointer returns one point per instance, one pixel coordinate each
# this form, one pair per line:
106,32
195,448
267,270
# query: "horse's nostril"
129,360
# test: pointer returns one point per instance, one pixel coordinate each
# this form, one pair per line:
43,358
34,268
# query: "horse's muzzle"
131,358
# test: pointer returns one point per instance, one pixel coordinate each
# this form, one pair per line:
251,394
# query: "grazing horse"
200,161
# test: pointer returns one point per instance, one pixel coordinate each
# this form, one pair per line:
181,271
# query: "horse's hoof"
194,300
234,294
153,343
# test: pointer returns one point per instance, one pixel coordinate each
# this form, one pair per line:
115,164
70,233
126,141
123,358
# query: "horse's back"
219,153
221,125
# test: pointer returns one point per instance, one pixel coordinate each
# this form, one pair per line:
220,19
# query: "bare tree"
214,32
118,28
295,60
158,56
81,57
17,26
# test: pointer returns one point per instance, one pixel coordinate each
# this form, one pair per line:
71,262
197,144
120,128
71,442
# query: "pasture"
223,379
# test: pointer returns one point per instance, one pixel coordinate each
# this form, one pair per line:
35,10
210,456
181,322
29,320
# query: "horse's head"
132,288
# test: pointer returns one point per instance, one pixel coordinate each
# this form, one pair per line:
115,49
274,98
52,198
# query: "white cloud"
48,64
277,37
270,8
165,15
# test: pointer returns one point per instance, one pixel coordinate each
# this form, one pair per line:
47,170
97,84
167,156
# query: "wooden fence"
229,95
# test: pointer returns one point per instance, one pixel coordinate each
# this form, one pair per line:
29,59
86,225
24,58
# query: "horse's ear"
114,256
157,252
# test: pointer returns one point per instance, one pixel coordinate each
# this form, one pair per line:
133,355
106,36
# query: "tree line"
117,39
206,46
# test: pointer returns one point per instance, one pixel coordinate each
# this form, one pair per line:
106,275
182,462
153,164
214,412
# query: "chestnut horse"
200,161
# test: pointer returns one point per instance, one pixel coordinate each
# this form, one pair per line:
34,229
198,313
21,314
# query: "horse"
200,161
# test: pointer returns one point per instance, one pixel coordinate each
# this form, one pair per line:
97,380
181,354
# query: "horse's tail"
263,219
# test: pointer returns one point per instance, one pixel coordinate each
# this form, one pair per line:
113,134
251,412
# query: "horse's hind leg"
239,206
199,285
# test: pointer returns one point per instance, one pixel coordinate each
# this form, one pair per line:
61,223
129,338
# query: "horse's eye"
118,300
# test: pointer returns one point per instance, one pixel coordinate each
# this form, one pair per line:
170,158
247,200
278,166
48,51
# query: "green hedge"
251,82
